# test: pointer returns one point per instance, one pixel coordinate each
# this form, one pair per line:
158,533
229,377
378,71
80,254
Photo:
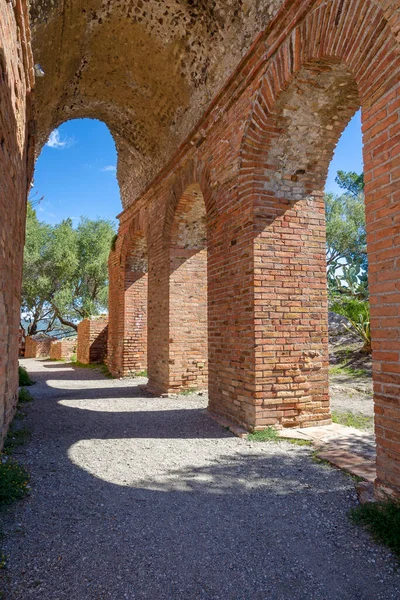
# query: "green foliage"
357,312
96,367
341,370
345,231
350,419
65,276
23,377
14,480
270,434
141,373
382,520
346,245
188,391
24,396
351,182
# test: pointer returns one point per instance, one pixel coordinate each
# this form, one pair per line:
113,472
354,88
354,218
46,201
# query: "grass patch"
382,520
73,358
270,434
187,391
141,373
23,377
95,366
14,480
352,420
24,396
341,370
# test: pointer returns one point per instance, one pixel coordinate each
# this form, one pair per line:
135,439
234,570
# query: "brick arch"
193,176
352,42
352,35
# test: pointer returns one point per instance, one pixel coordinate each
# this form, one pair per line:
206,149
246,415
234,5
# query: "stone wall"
38,348
16,78
63,349
92,340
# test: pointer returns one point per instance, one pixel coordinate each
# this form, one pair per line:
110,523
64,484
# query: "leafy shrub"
23,376
357,312
24,396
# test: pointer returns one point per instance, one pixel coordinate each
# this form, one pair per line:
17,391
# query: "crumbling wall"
15,171
63,349
38,347
92,340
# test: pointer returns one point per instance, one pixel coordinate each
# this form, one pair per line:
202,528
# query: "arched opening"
350,372
76,172
71,224
303,127
188,348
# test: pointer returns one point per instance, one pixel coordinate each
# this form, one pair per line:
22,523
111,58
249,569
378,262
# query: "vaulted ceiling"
147,68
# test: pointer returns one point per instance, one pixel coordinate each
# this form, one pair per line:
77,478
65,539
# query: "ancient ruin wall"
15,111
63,350
92,340
38,348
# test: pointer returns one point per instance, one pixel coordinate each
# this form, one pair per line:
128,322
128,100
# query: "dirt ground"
350,373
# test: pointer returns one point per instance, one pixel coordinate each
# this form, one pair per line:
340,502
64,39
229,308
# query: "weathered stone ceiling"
147,68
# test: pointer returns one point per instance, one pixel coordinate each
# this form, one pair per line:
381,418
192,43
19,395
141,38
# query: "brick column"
127,336
381,128
135,322
291,315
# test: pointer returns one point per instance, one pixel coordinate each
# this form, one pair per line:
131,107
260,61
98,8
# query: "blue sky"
76,171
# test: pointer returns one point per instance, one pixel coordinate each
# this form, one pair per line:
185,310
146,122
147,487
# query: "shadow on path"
156,501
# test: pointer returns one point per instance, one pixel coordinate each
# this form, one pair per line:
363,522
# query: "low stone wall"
63,349
92,340
38,348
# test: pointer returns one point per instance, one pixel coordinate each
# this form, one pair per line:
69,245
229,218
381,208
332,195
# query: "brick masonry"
38,348
63,349
16,163
251,174
260,157
92,340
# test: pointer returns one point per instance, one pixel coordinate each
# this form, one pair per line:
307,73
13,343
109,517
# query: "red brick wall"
260,157
38,348
15,170
127,333
92,340
63,349
187,291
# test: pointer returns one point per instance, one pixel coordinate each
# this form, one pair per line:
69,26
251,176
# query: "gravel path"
148,498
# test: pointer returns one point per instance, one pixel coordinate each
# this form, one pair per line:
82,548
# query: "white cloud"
111,168
55,140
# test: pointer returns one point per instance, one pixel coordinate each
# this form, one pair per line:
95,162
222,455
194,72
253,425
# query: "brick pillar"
127,300
381,128
188,357
290,312
116,279
92,340
178,346
135,322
